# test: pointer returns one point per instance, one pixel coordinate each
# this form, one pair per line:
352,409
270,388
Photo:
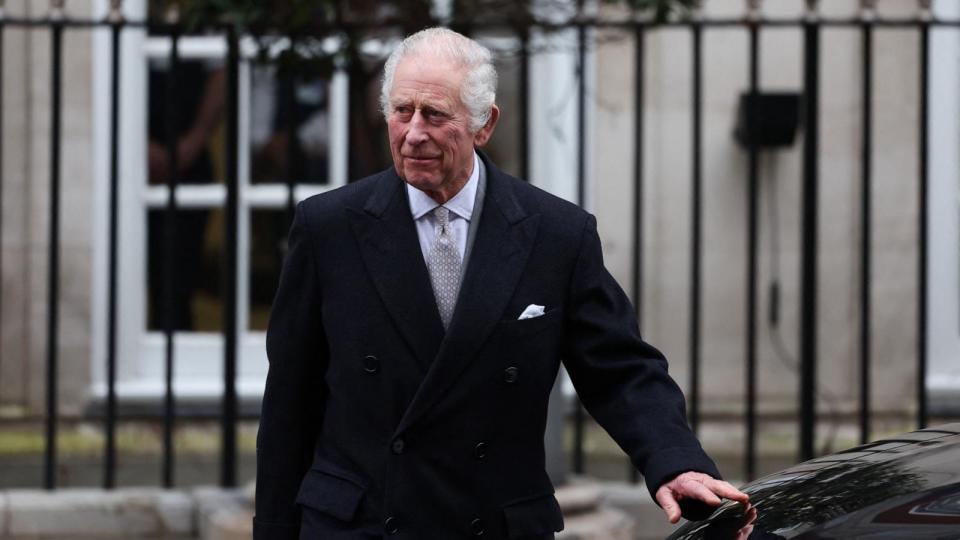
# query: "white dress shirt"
460,207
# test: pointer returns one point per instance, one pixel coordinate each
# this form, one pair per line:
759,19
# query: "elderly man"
420,321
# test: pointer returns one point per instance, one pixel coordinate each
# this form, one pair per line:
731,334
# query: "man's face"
429,127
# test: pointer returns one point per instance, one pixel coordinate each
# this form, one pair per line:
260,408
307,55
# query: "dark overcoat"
376,423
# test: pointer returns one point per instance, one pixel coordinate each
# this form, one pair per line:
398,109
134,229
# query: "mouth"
420,159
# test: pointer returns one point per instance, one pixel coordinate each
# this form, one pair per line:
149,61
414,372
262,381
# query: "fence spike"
116,11
813,7
926,9
56,9
753,10
868,9
172,16
696,10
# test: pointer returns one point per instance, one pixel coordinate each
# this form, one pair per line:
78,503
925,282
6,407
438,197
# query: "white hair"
479,89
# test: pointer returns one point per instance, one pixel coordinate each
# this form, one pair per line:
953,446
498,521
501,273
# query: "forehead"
428,78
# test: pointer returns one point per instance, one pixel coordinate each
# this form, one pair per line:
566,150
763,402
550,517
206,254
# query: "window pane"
268,231
197,258
198,233
288,107
198,122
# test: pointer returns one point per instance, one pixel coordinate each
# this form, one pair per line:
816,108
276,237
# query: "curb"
122,513
593,510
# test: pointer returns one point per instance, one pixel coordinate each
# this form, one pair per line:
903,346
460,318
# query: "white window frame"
198,356
943,225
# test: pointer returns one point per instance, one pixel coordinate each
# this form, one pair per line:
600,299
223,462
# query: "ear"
482,136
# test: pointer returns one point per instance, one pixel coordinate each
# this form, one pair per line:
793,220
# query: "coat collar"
388,241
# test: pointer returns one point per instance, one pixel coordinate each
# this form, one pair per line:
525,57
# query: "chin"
421,183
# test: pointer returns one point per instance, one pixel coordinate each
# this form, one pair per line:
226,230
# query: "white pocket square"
533,310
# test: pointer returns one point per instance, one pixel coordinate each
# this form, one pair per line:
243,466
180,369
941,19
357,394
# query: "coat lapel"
391,253
504,239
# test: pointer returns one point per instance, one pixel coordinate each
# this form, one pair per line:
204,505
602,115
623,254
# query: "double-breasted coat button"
480,450
397,446
371,364
391,526
476,527
510,375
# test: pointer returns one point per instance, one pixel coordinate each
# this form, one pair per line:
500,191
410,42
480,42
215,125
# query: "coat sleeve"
622,380
295,393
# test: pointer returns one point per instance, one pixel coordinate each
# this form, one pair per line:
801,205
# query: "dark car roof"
902,487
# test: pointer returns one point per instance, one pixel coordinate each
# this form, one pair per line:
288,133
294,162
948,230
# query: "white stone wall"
667,219
26,216
17,188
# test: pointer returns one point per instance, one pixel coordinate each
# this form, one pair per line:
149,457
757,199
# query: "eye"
433,114
402,110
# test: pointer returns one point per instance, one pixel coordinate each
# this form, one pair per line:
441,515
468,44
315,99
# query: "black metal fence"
811,25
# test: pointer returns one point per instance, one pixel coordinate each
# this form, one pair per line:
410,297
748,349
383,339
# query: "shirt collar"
461,204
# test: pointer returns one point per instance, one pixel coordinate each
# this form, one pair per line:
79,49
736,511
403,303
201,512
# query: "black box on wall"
767,120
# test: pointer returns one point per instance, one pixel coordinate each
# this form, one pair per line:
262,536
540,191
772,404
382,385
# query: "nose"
417,133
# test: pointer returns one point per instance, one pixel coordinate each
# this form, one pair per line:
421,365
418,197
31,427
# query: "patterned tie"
444,266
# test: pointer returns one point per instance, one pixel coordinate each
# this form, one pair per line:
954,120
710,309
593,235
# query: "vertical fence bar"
2,24
344,170
579,416
753,188
922,227
581,114
696,209
524,124
228,462
290,97
53,273
865,226
169,257
808,256
638,110
638,85
110,419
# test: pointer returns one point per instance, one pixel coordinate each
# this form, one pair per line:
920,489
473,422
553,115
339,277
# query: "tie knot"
442,215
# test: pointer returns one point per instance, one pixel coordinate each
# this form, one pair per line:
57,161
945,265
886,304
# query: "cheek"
396,133
454,139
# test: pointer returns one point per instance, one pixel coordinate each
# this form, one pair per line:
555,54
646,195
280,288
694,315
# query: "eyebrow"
424,107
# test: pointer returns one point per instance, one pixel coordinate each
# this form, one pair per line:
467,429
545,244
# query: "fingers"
669,504
692,489
697,486
719,487
727,491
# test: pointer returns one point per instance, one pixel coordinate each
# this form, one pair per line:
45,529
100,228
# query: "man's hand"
698,486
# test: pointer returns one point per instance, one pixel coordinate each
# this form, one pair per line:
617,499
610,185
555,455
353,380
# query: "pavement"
593,510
